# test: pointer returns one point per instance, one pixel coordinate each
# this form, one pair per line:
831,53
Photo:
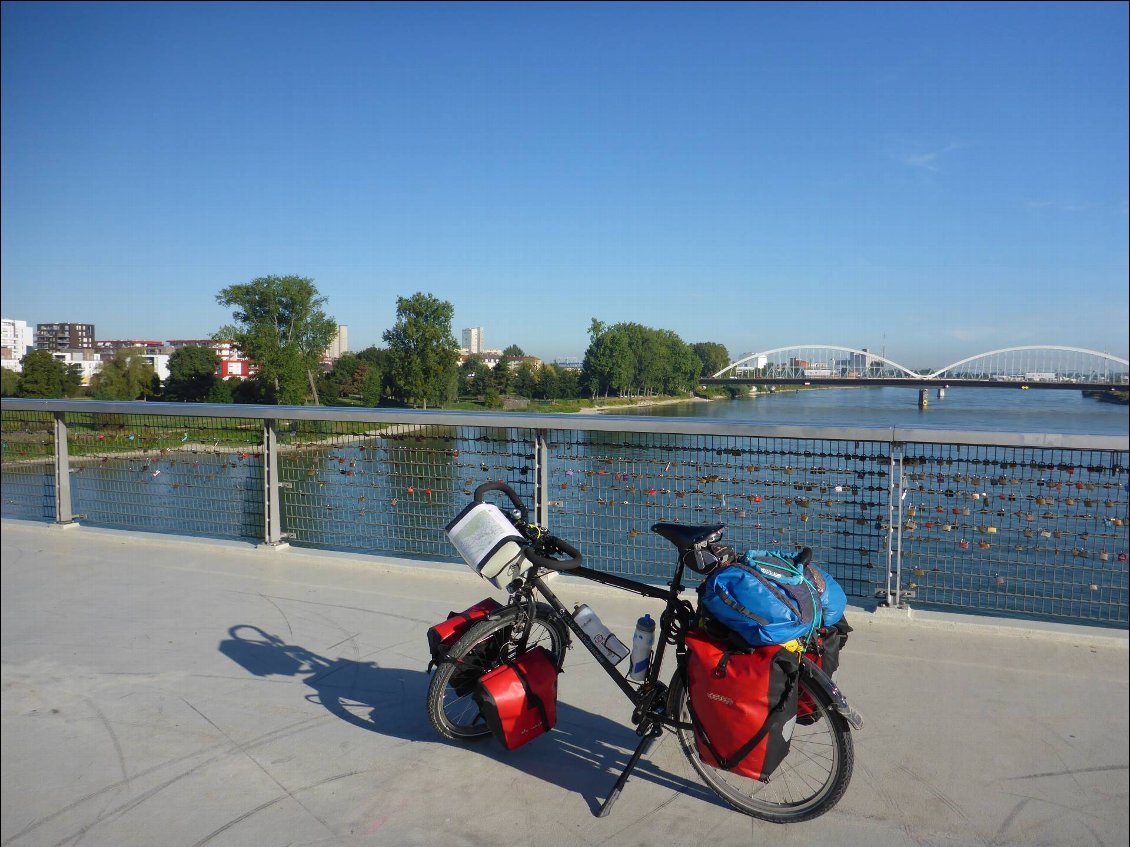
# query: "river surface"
999,410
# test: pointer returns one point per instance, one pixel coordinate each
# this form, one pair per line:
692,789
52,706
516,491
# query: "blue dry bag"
765,598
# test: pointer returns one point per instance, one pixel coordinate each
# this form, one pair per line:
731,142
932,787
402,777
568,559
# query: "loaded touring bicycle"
748,693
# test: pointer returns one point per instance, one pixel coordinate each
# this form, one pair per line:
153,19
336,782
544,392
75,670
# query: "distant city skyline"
473,342
925,180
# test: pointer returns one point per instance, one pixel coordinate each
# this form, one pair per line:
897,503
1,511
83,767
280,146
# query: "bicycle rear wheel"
451,708
809,782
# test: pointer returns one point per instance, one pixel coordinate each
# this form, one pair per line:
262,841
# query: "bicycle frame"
638,695
648,720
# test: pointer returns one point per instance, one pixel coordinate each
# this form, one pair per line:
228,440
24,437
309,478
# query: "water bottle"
608,644
642,642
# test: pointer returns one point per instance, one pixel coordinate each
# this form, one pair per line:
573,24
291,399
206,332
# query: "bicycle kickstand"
642,748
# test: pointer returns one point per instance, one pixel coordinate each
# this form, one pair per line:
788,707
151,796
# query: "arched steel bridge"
1035,366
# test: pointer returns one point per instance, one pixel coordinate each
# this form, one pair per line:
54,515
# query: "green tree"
375,356
549,382
192,374
41,375
223,390
568,384
372,384
502,377
423,354
247,391
610,363
348,372
628,358
372,387
468,371
329,390
513,352
9,382
72,380
281,326
125,377
682,366
713,356
526,380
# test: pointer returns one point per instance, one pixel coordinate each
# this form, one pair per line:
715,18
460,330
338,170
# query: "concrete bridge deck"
165,691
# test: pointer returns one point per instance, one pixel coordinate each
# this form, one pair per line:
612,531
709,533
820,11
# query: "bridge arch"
1041,359
867,355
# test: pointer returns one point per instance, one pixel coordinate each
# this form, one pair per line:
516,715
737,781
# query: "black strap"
747,748
719,671
530,695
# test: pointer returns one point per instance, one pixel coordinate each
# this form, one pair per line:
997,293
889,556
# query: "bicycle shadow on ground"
584,754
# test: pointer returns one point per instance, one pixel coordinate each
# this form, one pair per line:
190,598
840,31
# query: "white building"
473,340
340,345
16,337
91,361
88,361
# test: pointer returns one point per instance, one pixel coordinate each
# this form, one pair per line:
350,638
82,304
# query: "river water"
998,410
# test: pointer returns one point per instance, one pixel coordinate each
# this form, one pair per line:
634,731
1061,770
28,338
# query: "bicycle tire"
810,781
451,708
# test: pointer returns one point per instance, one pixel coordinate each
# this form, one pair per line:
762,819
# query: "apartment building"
64,336
16,338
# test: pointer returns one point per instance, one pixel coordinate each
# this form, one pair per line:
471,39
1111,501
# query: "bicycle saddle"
685,537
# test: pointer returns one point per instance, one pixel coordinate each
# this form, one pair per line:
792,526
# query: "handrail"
575,422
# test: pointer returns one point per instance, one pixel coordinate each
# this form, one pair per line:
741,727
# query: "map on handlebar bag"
488,542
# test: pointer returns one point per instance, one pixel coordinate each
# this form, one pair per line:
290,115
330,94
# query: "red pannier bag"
743,704
444,634
518,700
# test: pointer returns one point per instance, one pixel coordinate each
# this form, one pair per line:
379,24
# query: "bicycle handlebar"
505,489
551,544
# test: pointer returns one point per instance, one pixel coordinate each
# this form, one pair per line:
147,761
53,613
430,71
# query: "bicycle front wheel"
486,645
809,782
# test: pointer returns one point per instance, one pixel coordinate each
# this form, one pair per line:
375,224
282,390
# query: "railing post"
898,534
272,529
63,513
896,491
541,473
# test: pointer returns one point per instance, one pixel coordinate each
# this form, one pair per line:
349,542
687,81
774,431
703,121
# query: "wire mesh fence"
945,523
185,475
27,458
390,488
1004,529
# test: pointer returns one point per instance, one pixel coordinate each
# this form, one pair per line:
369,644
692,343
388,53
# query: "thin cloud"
930,160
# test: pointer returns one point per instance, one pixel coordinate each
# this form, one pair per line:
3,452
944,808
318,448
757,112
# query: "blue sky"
933,180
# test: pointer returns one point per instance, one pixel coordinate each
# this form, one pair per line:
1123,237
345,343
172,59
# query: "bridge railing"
1004,523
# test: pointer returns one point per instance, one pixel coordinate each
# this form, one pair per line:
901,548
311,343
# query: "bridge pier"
923,398
941,393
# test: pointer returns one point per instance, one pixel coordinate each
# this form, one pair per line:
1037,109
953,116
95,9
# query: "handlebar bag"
444,634
743,704
489,543
518,700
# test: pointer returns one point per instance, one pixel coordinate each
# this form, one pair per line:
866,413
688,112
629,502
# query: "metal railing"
999,523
